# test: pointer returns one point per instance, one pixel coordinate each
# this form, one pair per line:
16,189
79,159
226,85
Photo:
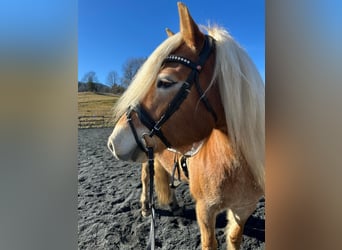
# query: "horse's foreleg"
206,218
145,177
234,235
235,226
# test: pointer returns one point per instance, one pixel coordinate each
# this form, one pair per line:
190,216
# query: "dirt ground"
109,211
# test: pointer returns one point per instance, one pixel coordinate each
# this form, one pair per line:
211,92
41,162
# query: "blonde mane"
241,89
243,97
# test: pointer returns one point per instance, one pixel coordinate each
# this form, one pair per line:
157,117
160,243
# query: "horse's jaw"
123,145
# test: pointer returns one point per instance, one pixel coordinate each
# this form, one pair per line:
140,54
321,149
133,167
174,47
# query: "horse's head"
170,105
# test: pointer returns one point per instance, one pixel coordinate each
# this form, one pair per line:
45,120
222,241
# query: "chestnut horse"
201,96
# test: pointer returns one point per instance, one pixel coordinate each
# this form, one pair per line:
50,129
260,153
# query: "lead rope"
150,154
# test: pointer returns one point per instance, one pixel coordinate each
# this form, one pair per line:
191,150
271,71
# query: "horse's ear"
192,36
169,32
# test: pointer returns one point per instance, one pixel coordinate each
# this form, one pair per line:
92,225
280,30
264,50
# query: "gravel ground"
109,210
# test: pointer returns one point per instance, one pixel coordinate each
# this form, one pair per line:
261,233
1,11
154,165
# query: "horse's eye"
165,83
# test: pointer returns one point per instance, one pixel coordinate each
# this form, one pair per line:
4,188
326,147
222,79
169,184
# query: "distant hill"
99,87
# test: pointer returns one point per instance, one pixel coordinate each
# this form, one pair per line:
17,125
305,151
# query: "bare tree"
112,78
130,68
113,81
90,79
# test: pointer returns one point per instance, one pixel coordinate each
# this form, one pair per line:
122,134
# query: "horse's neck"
217,148
217,153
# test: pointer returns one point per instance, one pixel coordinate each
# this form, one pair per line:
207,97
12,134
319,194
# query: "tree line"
114,83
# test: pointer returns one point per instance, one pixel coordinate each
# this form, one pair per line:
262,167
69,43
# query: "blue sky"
110,32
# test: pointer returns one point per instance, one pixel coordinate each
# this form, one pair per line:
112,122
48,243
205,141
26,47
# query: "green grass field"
95,110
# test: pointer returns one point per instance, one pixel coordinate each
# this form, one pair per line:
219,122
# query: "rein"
150,154
155,126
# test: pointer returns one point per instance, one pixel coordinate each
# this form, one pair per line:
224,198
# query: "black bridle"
155,126
192,79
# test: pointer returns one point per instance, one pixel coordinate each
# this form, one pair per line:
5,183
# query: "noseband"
193,78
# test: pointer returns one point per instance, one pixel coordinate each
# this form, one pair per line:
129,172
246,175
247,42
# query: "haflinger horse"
200,96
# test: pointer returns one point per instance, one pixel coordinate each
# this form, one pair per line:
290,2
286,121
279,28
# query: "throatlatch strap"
205,100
